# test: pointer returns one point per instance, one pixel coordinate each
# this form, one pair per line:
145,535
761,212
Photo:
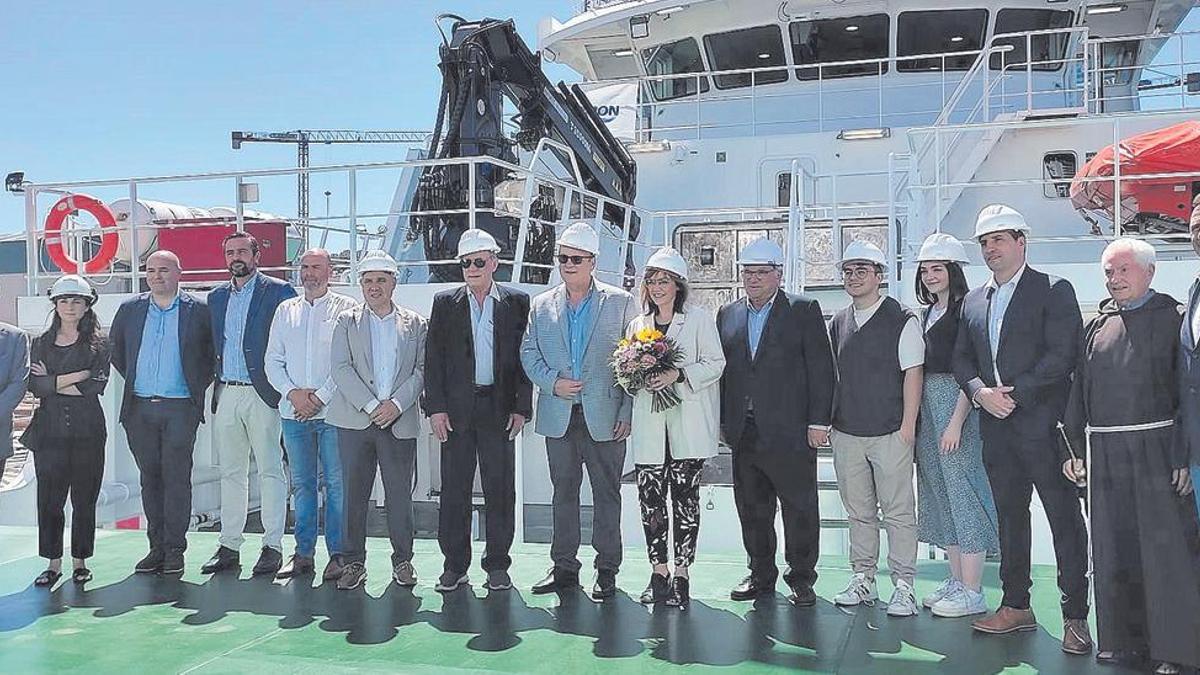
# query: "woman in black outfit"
68,371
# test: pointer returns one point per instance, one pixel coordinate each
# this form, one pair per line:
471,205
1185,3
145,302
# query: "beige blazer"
354,373
693,425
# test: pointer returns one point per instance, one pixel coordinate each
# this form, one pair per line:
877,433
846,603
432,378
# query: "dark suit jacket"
267,295
450,355
1038,344
195,345
1189,380
791,378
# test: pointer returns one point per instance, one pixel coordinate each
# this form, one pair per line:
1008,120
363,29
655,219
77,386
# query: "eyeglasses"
660,282
478,262
758,273
573,259
858,272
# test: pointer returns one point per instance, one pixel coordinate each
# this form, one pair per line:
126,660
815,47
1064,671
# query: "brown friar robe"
1145,536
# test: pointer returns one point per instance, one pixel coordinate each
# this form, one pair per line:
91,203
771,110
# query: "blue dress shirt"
483,335
757,322
579,325
159,362
233,359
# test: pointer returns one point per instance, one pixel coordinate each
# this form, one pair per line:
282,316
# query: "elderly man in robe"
1145,534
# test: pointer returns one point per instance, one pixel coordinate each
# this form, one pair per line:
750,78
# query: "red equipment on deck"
197,242
1151,205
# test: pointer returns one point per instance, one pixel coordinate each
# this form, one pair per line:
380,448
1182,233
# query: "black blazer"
791,378
195,345
1038,345
450,355
1189,379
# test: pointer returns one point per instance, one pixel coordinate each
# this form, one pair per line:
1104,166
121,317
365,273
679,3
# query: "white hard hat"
475,240
999,218
761,251
861,250
73,285
580,236
667,258
376,261
940,246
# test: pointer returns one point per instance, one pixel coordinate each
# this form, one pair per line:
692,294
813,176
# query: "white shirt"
483,334
933,315
911,347
385,341
1001,296
298,348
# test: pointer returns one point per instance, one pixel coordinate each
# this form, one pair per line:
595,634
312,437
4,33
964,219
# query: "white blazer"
693,425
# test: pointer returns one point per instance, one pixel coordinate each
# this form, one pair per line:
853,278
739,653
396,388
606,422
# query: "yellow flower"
648,335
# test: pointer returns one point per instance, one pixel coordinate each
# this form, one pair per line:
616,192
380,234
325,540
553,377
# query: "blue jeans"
308,444
1195,482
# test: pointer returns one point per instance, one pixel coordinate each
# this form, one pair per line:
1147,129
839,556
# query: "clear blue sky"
147,87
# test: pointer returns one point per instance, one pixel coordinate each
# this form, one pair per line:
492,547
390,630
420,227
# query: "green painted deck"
123,623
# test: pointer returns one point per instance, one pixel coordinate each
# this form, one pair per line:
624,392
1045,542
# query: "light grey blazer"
354,373
14,379
546,356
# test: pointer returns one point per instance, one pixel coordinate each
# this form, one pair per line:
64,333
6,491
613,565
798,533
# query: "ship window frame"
838,27
773,47
658,88
1050,185
904,53
1016,57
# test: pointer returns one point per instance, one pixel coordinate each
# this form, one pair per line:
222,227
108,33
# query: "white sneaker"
904,601
859,590
962,602
949,585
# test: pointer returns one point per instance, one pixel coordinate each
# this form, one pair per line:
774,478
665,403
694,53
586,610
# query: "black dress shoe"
172,563
556,580
657,590
223,559
269,562
803,596
605,586
681,593
751,588
151,564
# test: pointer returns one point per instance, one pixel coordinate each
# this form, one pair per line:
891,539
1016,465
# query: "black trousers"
75,467
363,451
1015,466
481,440
762,477
162,437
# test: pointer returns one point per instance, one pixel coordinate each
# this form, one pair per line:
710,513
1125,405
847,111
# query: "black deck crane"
482,63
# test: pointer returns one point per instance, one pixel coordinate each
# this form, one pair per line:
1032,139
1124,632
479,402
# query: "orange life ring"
108,236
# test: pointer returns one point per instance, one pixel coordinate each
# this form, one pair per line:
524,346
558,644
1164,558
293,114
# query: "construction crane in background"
303,137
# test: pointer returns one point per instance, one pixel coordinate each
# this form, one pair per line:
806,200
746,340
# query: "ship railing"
1112,66
879,96
349,234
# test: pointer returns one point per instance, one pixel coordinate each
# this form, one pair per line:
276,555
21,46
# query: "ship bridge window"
674,58
1048,50
856,38
939,32
758,47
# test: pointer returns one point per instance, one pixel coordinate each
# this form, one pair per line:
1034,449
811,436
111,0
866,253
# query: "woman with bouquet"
671,362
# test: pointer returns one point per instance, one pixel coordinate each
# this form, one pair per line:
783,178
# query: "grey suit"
364,446
14,379
580,433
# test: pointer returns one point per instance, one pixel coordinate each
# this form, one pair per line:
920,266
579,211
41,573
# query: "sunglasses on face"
478,262
573,259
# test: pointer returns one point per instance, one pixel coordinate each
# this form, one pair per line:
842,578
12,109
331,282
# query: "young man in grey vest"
879,353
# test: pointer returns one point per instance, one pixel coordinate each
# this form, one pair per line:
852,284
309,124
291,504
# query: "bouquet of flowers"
648,353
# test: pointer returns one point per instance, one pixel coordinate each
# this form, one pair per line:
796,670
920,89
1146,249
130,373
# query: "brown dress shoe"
1007,620
1077,639
333,570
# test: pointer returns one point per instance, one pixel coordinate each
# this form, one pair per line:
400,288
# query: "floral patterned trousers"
680,479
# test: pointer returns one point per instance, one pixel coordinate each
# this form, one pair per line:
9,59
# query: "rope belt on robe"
1087,521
